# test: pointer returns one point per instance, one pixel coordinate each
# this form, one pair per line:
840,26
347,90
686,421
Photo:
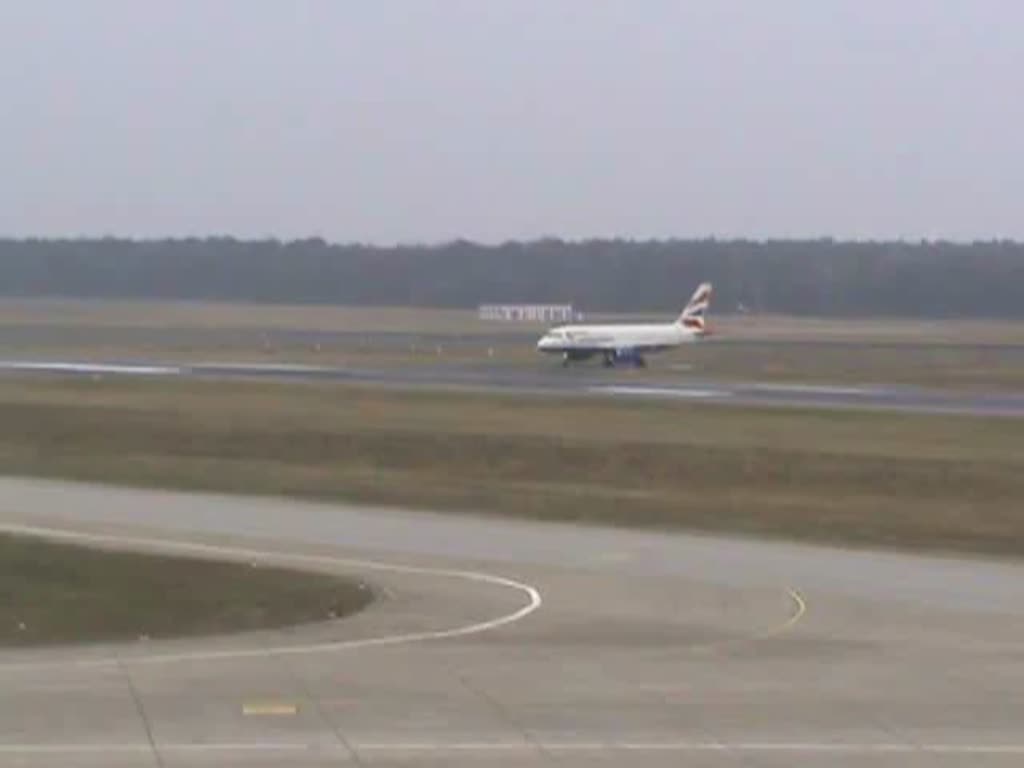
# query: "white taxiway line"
697,746
680,747
262,367
612,389
533,600
814,389
137,369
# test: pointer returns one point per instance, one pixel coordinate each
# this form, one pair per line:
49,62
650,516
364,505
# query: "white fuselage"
611,338
629,342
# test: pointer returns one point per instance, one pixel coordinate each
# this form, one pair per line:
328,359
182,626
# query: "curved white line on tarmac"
534,600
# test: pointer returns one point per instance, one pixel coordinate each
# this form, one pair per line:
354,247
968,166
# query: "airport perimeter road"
503,643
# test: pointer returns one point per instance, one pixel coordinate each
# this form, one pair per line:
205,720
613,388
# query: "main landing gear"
610,359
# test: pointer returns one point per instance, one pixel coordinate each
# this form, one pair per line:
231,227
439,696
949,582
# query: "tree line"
810,277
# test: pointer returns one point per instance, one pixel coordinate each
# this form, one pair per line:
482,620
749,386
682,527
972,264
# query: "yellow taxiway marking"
801,609
270,709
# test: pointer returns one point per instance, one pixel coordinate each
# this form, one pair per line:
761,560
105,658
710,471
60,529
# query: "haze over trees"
813,277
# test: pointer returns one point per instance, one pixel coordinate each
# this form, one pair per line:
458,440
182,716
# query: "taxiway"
507,643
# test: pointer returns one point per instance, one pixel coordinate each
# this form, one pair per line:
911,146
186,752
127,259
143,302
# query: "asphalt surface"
507,643
555,380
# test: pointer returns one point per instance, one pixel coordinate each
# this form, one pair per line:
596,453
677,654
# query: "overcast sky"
426,120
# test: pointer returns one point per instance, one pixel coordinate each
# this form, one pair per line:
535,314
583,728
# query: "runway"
511,643
551,380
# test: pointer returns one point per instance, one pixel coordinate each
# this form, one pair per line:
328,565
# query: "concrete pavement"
519,644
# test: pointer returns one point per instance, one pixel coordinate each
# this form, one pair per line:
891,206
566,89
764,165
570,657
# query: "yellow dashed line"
801,609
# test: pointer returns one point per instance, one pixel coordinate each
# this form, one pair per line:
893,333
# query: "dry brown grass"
936,482
222,315
870,330
200,315
53,593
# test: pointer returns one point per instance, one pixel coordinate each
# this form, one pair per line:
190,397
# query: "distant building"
528,313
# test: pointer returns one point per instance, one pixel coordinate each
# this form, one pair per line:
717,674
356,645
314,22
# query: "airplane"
629,343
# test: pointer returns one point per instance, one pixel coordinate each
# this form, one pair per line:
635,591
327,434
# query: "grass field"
214,315
53,593
187,315
936,482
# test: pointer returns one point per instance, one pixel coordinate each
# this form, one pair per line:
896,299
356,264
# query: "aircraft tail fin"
694,316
